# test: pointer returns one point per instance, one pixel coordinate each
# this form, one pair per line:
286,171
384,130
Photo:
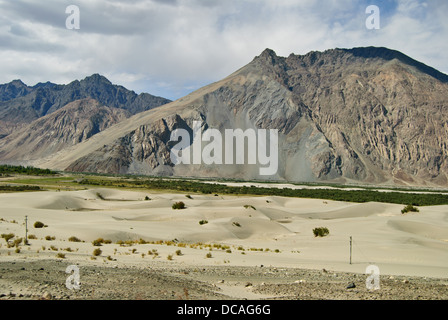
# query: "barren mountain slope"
360,115
63,128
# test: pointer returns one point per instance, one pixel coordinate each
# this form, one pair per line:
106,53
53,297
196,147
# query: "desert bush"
236,224
98,242
170,257
179,205
208,255
60,255
39,224
17,242
321,232
409,208
202,222
8,236
247,206
32,237
97,252
178,252
49,238
188,196
147,198
74,239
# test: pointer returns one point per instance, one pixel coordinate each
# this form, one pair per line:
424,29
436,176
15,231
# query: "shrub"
208,255
203,222
32,237
178,252
247,206
17,250
170,257
236,224
60,255
49,238
321,232
147,198
8,236
409,208
17,242
188,196
179,205
98,242
97,252
38,225
74,239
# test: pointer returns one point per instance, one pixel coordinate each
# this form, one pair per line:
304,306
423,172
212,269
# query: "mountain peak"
268,56
18,83
268,53
96,78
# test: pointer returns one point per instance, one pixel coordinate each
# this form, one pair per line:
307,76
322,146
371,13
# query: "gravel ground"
46,279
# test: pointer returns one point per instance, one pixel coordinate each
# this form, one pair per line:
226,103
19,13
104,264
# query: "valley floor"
218,247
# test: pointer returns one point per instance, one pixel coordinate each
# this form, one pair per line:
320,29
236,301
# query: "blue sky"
170,48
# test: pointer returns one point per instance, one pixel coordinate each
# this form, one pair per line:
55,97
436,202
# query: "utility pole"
351,249
26,230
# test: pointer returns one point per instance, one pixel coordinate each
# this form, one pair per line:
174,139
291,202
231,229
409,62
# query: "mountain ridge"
21,104
357,115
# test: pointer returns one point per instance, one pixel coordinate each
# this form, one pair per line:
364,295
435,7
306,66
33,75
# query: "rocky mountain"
362,115
21,104
66,127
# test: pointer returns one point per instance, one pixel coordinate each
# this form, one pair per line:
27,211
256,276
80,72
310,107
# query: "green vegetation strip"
18,188
358,196
5,169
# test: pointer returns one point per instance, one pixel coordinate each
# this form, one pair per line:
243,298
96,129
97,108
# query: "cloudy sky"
172,47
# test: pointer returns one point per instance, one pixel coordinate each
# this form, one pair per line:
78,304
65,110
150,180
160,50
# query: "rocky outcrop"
145,150
66,127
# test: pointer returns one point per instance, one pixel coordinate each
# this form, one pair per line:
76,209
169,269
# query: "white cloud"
168,48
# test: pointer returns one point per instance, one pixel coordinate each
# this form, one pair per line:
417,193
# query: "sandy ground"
257,247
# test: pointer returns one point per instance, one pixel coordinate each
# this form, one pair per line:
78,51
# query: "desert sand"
273,233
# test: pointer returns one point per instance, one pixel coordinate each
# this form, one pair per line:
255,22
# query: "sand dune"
426,230
415,244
